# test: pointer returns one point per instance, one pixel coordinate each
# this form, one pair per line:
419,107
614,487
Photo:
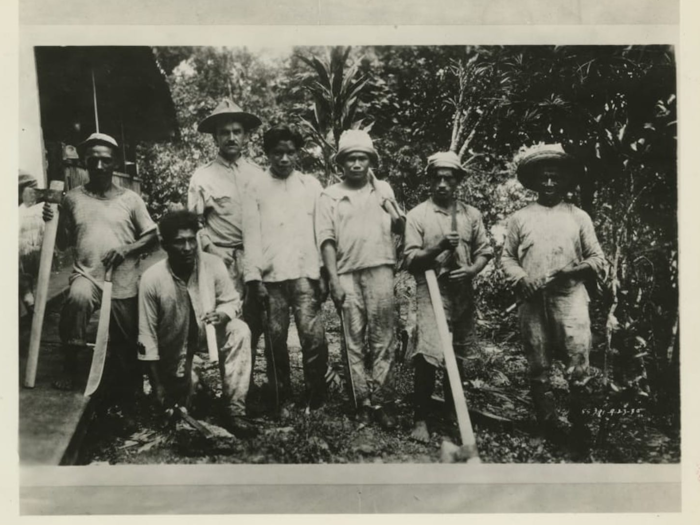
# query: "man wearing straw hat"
550,251
108,227
354,225
448,236
217,192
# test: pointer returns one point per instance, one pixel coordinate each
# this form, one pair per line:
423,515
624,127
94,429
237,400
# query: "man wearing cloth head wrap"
353,230
108,227
449,237
550,250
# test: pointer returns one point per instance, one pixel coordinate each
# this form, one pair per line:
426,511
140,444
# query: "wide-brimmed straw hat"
97,139
356,140
528,161
445,159
228,110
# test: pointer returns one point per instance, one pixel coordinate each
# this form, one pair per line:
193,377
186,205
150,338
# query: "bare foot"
420,432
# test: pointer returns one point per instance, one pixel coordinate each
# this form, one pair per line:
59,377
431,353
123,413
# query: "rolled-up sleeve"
252,240
480,245
197,197
148,321
141,218
509,259
413,239
325,225
591,252
317,191
227,299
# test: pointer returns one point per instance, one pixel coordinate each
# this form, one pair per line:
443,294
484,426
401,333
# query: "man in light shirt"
283,265
108,227
550,251
354,229
448,236
172,318
217,192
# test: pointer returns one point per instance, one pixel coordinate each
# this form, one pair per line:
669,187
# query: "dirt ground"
497,396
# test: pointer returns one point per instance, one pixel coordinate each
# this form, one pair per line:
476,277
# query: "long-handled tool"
346,357
207,305
99,355
271,354
465,426
182,413
389,204
54,198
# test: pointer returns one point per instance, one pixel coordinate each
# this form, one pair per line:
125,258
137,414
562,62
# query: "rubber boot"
580,436
545,410
69,377
423,386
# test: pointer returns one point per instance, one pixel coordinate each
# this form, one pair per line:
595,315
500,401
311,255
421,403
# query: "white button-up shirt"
278,231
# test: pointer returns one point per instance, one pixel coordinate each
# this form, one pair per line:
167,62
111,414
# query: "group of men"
259,243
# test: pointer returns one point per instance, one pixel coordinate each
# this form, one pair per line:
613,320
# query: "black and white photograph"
351,254
434,262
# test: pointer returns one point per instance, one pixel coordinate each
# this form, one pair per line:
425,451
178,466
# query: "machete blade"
99,355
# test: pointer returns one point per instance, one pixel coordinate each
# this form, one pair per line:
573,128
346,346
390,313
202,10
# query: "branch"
470,137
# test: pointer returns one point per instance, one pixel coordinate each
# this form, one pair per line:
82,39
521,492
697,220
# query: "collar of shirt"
354,194
178,279
295,174
458,204
230,165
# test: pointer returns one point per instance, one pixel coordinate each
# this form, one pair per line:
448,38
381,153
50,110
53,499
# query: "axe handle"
465,424
207,303
42,288
184,415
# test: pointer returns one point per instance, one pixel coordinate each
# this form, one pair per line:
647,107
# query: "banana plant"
335,88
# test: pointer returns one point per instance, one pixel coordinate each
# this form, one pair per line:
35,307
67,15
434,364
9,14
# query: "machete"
99,355
207,305
204,295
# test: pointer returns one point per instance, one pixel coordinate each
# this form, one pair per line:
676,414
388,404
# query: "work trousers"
233,341
122,371
252,311
458,305
556,324
303,296
369,312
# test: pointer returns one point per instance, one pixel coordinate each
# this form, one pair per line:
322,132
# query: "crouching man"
550,251
449,237
171,323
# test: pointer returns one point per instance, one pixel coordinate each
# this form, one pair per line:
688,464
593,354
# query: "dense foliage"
613,107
